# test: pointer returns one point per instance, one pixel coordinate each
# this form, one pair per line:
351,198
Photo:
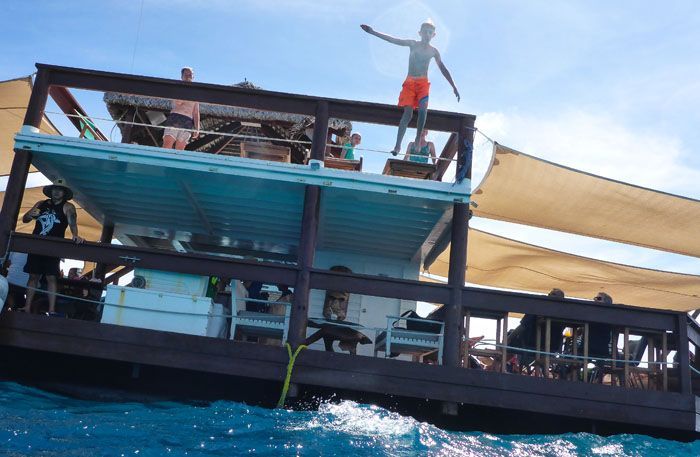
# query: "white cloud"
599,144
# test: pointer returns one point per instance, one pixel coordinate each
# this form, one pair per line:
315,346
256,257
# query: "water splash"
34,422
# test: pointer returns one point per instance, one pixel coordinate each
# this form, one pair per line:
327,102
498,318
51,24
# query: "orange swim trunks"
413,91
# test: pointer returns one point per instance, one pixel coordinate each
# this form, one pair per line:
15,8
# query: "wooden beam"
568,309
127,129
156,259
456,273
114,277
465,147
307,250
105,238
231,127
683,347
243,97
448,153
69,105
318,143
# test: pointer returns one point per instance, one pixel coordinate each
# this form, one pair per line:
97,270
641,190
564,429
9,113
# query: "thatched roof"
221,111
219,118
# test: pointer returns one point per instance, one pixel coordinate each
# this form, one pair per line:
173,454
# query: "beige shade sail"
526,190
501,262
14,98
88,227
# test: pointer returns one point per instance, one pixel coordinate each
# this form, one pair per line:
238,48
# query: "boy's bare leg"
51,289
405,119
168,141
31,285
422,116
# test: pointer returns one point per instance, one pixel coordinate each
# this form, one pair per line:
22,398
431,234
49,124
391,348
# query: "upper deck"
193,201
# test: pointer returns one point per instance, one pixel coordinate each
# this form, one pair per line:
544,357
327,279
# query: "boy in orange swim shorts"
416,87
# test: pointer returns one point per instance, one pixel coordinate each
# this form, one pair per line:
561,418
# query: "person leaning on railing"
182,119
52,217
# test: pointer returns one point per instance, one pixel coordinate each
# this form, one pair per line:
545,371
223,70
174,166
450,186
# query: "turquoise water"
33,422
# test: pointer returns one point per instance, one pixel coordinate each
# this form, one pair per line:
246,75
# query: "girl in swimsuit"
422,151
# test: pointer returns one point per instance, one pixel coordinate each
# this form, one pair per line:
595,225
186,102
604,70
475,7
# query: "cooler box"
155,310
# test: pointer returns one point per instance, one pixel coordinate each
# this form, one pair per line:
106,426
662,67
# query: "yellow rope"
290,367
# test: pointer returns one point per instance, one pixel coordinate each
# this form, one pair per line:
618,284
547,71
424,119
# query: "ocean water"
37,423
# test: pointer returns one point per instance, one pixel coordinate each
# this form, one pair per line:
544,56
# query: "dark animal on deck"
348,338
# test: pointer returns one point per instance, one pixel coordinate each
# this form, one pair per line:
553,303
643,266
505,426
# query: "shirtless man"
416,88
184,115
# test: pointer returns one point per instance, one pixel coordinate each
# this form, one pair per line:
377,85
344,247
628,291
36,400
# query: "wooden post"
130,116
465,134
547,345
457,270
651,356
467,317
105,238
22,161
626,350
664,357
683,354
504,342
318,142
585,352
307,248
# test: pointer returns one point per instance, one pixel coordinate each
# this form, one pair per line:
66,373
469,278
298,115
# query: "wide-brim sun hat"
59,184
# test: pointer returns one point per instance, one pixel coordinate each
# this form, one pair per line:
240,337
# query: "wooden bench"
342,164
265,151
408,169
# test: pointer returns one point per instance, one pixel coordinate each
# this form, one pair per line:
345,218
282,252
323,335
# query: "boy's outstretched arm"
385,37
446,73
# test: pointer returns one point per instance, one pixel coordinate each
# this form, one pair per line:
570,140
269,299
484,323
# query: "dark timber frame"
375,375
321,108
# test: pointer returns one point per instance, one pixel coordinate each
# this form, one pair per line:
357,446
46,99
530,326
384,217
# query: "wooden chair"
342,164
408,169
399,340
262,325
266,151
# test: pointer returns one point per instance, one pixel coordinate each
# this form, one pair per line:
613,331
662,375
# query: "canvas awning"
526,190
14,98
501,262
88,227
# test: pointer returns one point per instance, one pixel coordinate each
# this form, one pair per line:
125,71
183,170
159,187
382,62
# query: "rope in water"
233,135
290,367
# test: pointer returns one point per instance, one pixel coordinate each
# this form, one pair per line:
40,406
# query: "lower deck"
51,352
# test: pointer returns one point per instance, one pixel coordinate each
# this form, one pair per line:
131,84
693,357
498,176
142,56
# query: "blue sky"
607,87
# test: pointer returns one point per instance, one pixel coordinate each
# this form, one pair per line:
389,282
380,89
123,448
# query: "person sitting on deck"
348,152
525,337
599,336
421,151
52,216
182,118
416,87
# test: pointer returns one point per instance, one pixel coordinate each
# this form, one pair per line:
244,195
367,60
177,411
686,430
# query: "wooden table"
408,169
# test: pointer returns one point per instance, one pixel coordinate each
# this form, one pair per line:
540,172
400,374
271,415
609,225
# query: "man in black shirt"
52,216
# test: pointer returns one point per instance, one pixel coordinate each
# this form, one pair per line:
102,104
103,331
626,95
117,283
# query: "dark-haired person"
52,217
